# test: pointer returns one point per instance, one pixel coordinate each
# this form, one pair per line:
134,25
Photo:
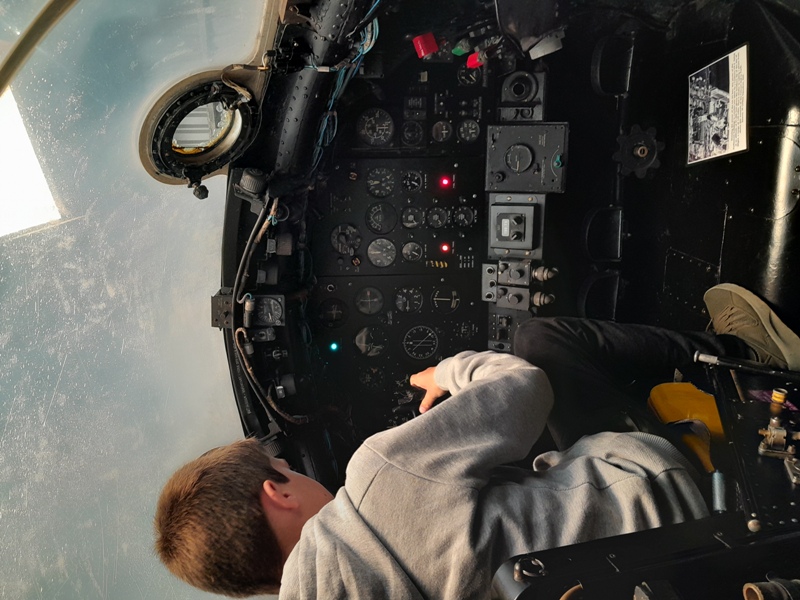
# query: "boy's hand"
425,381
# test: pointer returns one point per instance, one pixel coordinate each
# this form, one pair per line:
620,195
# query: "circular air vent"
195,129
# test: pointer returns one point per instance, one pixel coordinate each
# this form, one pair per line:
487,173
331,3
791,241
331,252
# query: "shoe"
736,311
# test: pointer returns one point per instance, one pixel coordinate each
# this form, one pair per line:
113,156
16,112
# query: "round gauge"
381,252
436,217
269,311
442,131
346,239
371,341
369,301
467,76
412,217
468,131
420,342
332,312
412,181
464,216
412,133
519,158
381,217
380,182
408,300
445,299
375,127
412,251
372,378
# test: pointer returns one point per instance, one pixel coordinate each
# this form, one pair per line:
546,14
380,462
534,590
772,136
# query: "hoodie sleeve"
498,409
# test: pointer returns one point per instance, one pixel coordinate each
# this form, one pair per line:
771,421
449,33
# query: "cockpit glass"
15,16
111,375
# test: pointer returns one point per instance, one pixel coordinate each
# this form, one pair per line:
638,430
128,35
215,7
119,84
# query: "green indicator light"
334,346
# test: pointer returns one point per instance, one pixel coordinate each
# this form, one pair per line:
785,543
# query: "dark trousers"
596,369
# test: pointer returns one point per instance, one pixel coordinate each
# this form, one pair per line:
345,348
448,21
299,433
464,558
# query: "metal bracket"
792,469
222,309
289,13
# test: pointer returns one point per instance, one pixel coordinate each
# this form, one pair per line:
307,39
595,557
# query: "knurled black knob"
253,181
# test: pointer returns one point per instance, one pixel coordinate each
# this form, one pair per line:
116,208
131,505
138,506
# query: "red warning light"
445,181
445,247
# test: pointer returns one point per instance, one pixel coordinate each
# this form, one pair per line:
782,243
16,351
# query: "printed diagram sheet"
718,108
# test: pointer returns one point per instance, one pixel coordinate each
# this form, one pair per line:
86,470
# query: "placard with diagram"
718,108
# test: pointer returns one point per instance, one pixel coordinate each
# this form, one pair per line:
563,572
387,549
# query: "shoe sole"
785,339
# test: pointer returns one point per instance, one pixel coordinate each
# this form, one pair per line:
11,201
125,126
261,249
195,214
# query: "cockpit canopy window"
197,128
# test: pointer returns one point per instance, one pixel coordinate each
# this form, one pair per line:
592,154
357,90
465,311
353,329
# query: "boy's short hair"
211,530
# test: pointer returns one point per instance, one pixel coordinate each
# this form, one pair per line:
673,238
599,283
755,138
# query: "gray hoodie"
429,511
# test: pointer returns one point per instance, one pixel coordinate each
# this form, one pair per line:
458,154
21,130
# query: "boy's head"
226,521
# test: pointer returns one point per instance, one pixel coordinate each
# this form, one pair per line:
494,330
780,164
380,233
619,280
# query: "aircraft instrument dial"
381,217
467,76
382,252
380,182
412,133
371,341
436,218
332,312
369,301
408,299
346,239
468,131
375,127
445,299
412,181
372,378
412,251
412,217
441,131
464,216
519,158
269,311
420,342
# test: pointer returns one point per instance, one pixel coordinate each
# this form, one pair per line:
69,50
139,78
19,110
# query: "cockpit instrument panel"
379,250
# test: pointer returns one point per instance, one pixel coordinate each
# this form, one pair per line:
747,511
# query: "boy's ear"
277,495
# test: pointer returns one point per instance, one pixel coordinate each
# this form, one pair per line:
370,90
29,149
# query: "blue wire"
372,10
329,123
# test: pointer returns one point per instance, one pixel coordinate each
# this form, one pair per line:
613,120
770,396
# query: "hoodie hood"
339,556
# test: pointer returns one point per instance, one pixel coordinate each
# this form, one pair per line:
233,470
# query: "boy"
430,509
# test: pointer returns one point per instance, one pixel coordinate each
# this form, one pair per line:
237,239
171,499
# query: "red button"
425,45
474,61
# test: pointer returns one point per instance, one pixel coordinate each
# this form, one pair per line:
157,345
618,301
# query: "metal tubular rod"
45,21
